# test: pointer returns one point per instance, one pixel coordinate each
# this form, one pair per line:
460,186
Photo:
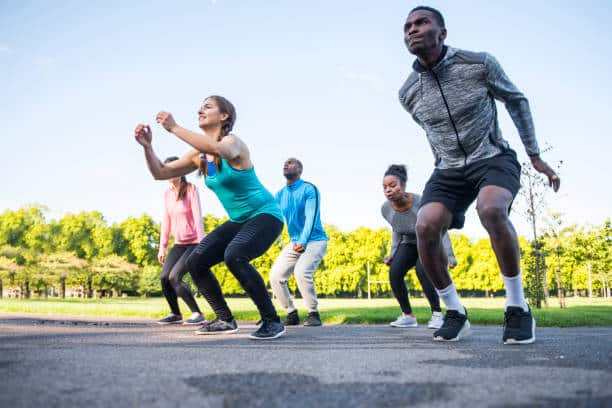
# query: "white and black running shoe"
171,319
455,326
269,329
519,326
218,326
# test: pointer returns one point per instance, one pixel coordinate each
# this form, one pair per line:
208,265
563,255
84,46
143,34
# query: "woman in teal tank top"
255,220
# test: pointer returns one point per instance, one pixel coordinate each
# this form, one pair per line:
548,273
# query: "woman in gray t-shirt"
400,210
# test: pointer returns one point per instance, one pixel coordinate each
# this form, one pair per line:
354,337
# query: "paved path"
68,361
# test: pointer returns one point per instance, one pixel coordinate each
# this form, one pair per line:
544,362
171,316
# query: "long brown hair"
225,106
182,192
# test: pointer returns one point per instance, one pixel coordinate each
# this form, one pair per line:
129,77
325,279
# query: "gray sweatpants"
304,265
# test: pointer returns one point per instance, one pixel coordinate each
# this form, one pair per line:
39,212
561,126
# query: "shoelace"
452,319
265,325
512,319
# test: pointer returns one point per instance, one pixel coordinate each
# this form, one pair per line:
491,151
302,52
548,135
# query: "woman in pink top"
182,218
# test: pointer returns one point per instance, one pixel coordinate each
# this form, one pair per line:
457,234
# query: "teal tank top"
241,193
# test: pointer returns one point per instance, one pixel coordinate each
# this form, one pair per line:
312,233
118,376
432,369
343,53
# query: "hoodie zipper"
451,118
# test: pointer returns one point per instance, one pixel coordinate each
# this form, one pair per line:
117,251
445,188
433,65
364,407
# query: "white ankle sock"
514,292
450,297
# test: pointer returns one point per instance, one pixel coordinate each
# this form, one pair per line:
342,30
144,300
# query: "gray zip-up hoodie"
454,103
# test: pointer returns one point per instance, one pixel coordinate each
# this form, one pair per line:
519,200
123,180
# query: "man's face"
422,32
291,169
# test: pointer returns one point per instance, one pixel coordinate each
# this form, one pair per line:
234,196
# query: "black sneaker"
292,319
195,319
313,319
519,326
455,325
269,329
218,326
171,319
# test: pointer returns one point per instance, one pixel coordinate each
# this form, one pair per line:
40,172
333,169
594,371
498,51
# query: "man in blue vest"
300,202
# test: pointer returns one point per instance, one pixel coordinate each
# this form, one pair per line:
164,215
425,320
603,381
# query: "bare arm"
231,148
164,171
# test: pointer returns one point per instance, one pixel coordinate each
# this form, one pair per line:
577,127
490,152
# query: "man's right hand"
161,258
542,167
387,260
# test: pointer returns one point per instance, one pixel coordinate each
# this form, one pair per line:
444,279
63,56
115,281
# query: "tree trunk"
27,290
560,282
604,287
590,280
63,288
1,288
545,292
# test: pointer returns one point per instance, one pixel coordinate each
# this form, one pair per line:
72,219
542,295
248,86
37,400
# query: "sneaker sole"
465,331
194,324
435,327
527,341
276,336
403,326
168,323
216,333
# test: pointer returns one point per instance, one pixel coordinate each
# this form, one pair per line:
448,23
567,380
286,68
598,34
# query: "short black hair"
435,12
297,161
399,171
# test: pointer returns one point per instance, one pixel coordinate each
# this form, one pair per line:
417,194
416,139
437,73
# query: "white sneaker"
404,322
436,320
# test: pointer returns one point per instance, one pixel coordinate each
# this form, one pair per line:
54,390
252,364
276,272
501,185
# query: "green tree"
149,282
84,233
142,237
14,225
61,267
113,274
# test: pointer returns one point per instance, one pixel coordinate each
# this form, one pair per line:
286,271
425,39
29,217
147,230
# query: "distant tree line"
82,255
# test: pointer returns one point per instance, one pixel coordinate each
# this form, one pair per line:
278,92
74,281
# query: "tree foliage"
81,255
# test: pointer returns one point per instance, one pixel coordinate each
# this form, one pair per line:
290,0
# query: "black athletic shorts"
458,188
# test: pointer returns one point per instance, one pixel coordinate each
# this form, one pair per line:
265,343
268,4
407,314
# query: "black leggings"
236,244
172,278
405,257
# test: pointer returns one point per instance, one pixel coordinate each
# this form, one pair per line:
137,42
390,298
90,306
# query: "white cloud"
372,80
4,49
44,62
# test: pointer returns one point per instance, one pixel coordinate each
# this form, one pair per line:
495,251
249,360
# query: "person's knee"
492,216
191,263
232,258
276,273
165,280
236,263
301,275
396,275
428,231
175,280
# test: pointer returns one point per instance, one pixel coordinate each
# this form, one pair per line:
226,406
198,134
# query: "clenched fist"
143,135
166,120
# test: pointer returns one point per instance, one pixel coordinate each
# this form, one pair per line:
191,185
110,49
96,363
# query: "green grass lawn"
580,311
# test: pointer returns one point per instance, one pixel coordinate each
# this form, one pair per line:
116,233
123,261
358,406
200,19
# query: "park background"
314,80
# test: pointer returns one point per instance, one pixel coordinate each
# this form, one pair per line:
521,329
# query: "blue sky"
317,80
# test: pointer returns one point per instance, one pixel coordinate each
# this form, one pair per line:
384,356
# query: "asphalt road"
66,361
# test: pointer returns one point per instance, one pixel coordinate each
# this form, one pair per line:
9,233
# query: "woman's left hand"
166,120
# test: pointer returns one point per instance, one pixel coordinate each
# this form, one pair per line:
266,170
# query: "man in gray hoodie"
451,94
